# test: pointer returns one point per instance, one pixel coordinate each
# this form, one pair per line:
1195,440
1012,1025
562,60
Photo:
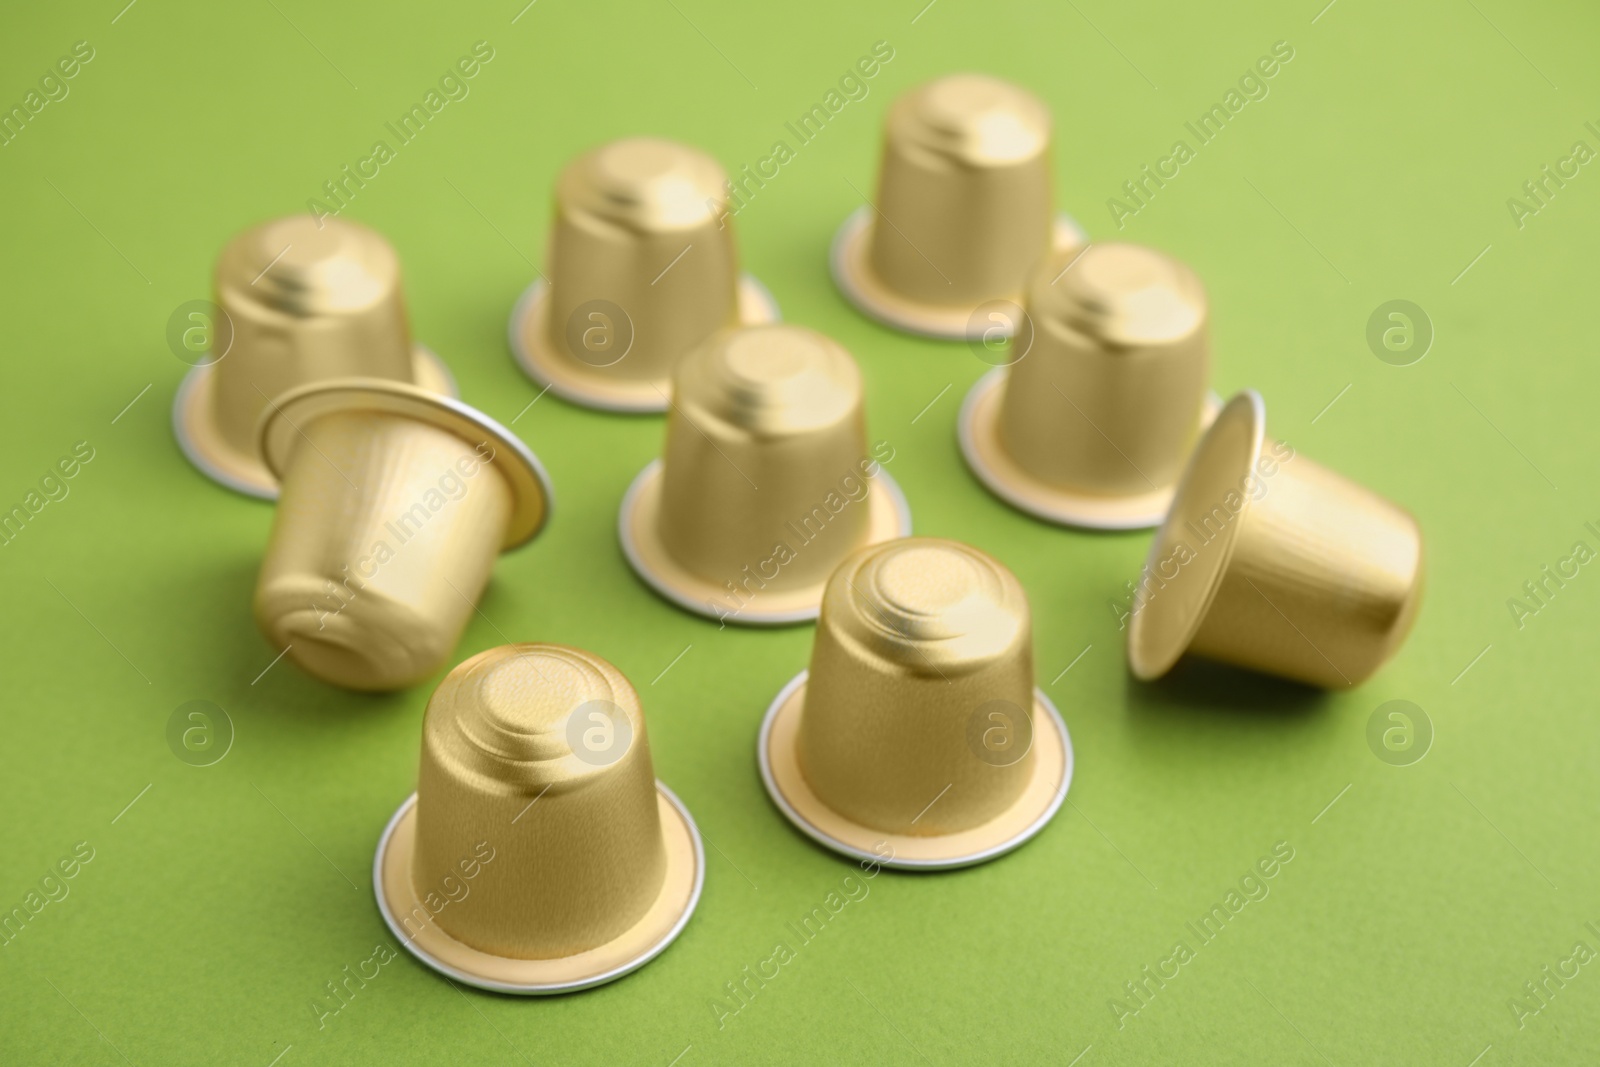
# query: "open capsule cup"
1270,561
395,503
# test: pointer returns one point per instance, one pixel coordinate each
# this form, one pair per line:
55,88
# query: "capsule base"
978,428
776,751
647,939
637,525
852,273
526,334
218,460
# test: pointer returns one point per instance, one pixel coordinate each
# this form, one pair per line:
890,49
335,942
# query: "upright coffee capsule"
1104,395
539,854
1271,562
642,268
917,739
297,301
395,501
963,210
766,481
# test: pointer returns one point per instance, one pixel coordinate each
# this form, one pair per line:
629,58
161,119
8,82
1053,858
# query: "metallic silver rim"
555,987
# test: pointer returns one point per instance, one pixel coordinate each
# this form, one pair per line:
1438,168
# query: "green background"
1378,168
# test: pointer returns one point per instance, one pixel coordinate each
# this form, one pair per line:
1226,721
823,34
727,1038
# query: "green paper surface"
1379,163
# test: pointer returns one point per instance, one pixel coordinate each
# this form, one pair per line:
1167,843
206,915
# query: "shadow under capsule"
267,678
303,696
1220,691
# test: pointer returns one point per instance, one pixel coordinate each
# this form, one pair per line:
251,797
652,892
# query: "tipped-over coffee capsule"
963,210
395,502
917,739
297,301
765,482
1092,420
1270,561
539,854
643,267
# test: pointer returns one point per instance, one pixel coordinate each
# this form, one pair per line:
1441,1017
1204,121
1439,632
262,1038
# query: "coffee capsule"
963,210
642,268
395,502
917,738
1270,561
298,300
539,853
765,482
1103,394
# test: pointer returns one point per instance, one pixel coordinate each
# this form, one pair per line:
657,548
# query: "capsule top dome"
303,268
771,380
509,716
1118,294
973,119
645,184
928,604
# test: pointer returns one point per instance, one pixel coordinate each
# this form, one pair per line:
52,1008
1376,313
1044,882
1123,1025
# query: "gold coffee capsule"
1271,562
643,267
539,854
766,481
297,301
917,738
1105,395
963,208
395,501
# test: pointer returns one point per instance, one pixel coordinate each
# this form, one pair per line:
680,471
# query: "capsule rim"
788,703
195,430
852,274
1147,659
891,520
525,335
668,803
977,431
